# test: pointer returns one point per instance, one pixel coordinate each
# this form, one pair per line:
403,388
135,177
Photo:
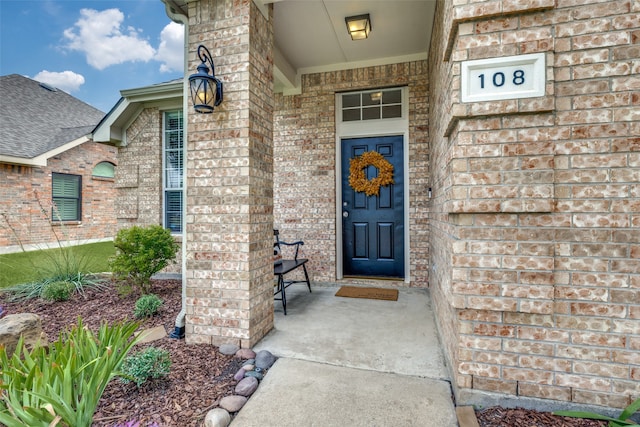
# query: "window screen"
173,144
66,197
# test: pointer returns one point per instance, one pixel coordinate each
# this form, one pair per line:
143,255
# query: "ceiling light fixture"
358,26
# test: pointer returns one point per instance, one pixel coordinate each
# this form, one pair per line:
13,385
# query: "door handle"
345,214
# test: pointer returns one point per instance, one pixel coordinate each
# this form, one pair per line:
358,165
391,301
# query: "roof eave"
111,129
41,160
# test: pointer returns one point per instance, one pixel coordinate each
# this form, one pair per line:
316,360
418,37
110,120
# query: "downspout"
177,14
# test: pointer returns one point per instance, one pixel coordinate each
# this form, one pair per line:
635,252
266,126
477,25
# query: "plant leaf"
580,414
630,410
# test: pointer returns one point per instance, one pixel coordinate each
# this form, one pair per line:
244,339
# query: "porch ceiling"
311,35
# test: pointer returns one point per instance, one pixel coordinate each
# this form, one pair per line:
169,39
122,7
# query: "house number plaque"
509,77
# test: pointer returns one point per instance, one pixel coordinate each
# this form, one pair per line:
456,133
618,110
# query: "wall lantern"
206,89
358,26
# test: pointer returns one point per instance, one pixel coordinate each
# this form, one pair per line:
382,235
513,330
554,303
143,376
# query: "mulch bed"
502,417
200,376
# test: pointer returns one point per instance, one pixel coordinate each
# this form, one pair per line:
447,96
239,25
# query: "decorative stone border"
254,367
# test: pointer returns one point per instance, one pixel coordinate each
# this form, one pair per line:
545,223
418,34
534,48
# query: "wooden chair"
282,266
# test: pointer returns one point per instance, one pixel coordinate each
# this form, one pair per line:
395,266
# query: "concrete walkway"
352,362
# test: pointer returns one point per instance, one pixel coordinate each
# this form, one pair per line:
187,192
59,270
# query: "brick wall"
535,219
305,156
139,179
230,180
139,176
25,197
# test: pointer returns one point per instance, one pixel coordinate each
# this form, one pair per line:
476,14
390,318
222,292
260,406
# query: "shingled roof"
36,118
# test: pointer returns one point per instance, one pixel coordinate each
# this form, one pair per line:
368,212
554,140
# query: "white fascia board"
154,92
293,86
107,131
284,85
362,64
112,129
263,6
285,74
41,160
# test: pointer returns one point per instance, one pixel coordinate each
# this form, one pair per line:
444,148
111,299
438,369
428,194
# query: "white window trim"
164,183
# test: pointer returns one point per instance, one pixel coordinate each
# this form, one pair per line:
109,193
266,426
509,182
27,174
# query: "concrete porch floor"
352,362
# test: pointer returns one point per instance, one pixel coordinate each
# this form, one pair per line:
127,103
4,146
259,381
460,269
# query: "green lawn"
25,267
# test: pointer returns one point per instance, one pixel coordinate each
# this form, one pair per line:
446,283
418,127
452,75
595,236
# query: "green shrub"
149,363
57,291
141,252
61,384
79,283
147,306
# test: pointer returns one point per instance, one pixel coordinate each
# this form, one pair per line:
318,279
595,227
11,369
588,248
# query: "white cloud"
100,37
67,81
171,49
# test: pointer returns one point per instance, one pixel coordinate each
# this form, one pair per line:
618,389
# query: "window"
372,105
172,165
66,197
104,170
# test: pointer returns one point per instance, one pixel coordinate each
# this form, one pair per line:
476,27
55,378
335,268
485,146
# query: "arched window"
104,170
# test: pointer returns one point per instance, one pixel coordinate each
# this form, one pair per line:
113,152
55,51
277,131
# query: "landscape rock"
249,362
27,325
248,367
264,359
247,386
254,374
217,417
246,353
228,349
240,374
233,403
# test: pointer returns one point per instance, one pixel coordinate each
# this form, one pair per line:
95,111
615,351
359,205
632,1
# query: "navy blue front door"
373,226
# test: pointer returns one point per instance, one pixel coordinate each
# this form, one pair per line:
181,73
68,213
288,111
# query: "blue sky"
90,49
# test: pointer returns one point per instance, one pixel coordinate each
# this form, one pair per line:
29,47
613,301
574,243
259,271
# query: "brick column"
229,277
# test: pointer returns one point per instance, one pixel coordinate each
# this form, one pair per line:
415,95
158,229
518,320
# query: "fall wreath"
357,178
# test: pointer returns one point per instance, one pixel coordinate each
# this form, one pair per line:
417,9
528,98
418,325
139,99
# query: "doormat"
370,293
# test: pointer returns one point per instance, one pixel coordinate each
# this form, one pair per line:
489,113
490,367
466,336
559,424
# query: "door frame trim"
364,129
